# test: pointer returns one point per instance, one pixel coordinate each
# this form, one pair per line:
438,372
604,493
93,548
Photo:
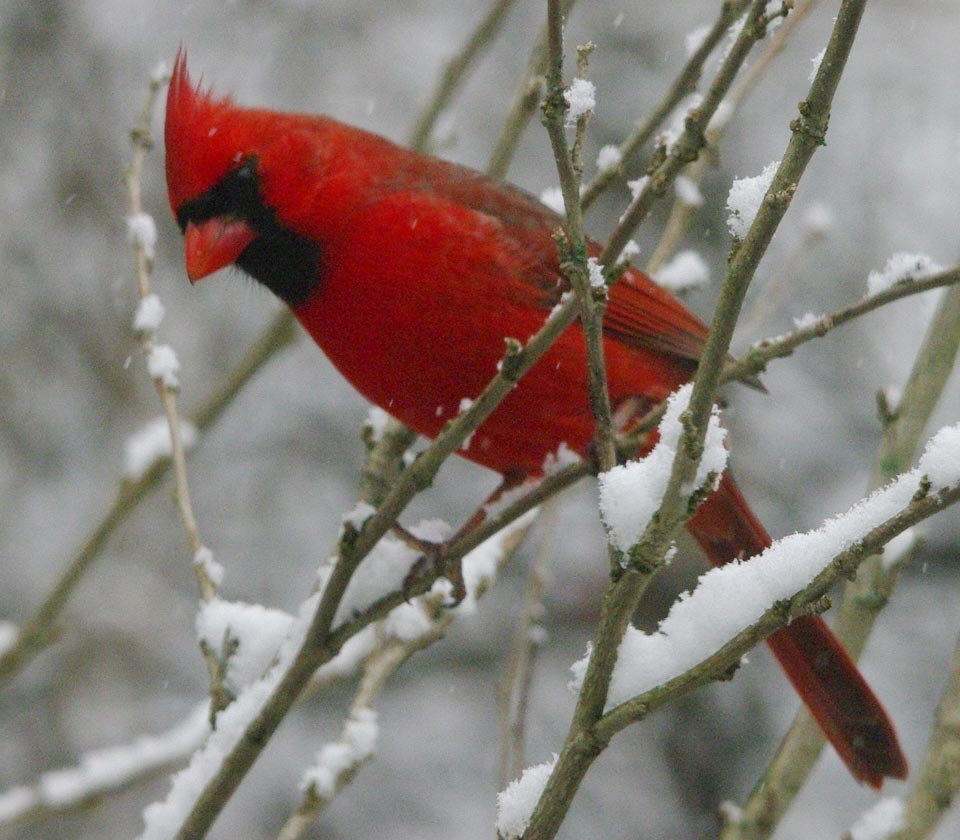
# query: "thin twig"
513,691
571,243
684,84
526,99
456,70
938,780
682,213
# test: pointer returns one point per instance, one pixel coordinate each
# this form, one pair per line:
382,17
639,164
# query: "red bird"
409,272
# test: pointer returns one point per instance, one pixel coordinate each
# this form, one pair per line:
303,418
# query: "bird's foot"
435,561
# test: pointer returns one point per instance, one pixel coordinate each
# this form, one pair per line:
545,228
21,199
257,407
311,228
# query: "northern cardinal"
409,272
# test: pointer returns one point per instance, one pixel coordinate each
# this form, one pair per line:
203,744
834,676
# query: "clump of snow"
686,271
630,250
940,461
552,197
205,560
376,422
597,280
142,231
745,197
901,268
256,632
631,493
515,804
149,314
102,770
162,820
808,319
886,817
581,97
151,443
636,187
355,746
163,365
358,515
818,219
609,157
688,191
563,457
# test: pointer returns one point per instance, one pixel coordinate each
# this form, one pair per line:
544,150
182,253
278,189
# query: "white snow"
552,197
581,97
355,746
687,270
901,268
818,219
516,803
745,197
256,631
358,515
729,599
205,560
162,820
163,364
808,319
597,280
688,191
887,816
381,572
636,187
142,231
103,770
151,443
609,157
376,422
631,493
149,314
630,250
564,456
940,461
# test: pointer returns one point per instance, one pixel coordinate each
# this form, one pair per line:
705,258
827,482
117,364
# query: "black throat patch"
285,262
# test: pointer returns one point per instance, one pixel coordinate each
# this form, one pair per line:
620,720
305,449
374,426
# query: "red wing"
641,314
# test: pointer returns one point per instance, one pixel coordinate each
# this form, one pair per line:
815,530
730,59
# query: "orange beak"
215,244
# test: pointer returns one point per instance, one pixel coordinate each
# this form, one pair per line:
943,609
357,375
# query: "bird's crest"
201,137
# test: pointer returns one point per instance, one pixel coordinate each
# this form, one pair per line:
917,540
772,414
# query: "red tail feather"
822,672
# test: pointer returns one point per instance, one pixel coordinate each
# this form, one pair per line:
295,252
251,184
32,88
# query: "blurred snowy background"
272,479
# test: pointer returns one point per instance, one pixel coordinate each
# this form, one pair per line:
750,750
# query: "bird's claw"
434,562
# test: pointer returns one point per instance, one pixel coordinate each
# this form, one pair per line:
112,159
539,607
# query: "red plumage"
409,272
